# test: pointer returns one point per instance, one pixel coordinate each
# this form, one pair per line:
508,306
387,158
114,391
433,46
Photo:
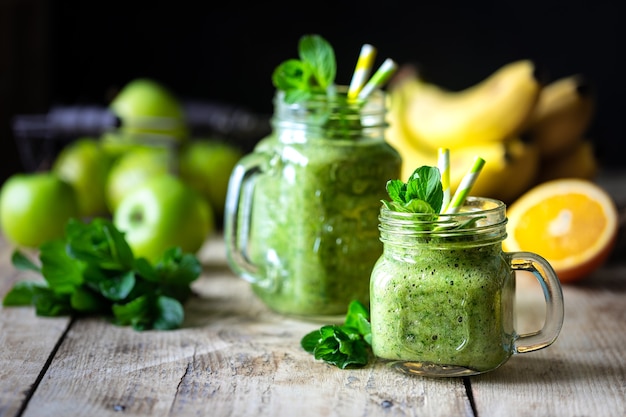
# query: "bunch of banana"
512,119
485,120
558,126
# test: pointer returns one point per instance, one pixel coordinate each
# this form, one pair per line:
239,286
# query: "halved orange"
572,223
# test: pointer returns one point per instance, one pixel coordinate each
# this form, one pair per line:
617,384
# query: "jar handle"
553,293
237,216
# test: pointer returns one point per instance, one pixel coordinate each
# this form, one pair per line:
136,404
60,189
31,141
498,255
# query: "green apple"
85,165
162,213
34,207
206,165
149,111
133,168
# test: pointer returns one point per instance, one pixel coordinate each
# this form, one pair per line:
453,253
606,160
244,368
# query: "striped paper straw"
467,182
444,168
380,77
362,70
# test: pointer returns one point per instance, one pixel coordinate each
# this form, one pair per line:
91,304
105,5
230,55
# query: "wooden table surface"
234,357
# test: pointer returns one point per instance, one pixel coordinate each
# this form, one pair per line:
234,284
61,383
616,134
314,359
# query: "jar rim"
481,219
473,206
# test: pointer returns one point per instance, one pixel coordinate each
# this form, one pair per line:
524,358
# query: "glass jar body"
442,295
443,310
312,237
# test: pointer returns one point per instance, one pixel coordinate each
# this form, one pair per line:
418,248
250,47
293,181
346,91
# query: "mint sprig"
92,271
344,346
422,193
314,72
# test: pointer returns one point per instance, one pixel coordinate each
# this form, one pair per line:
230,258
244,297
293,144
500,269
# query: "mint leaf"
422,193
425,183
87,301
345,346
320,57
22,293
62,272
93,271
22,263
313,73
51,304
293,77
135,313
169,313
98,242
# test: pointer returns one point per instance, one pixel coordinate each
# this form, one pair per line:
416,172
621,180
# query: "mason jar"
302,208
443,292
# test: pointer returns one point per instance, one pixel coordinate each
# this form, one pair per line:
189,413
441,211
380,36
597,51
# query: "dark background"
79,52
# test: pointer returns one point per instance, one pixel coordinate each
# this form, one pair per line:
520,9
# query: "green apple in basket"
133,168
206,165
34,208
162,213
85,165
147,106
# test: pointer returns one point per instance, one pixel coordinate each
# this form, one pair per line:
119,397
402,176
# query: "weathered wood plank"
583,373
26,341
233,358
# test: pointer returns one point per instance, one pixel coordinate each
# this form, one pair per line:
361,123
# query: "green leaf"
22,263
422,193
62,273
418,206
427,183
358,318
340,349
344,346
396,190
118,287
176,267
85,300
144,268
99,242
320,56
169,314
135,313
22,293
292,75
311,340
314,72
93,270
51,304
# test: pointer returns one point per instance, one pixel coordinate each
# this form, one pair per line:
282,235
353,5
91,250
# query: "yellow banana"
412,152
493,110
562,115
510,169
578,162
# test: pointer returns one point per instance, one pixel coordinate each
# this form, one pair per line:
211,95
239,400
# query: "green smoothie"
443,308
314,232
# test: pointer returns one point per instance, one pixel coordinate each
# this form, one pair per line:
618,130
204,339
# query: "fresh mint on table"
92,271
344,346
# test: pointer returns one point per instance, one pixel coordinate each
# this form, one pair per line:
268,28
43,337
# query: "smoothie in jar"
442,295
314,223
449,308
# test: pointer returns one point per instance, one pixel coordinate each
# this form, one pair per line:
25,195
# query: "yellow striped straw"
444,169
467,182
362,70
380,77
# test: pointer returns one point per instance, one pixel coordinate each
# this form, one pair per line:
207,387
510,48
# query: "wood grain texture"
234,357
